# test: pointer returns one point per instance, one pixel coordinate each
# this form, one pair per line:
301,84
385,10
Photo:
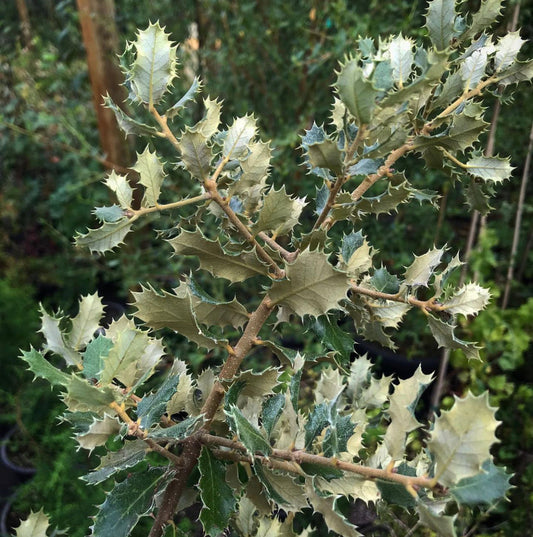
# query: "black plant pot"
22,473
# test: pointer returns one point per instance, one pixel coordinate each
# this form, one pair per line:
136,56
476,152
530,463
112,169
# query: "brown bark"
97,20
25,25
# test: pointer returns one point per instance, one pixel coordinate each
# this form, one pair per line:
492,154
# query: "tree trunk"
97,19
25,25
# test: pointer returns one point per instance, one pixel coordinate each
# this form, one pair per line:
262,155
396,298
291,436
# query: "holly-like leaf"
440,20
170,311
189,95
487,487
485,17
365,166
98,433
518,72
421,269
239,135
86,322
472,69
251,437
507,50
55,339
208,125
155,64
254,169
334,337
179,431
196,153
127,124
461,439
105,238
356,254
42,368
129,500
312,285
272,409
215,259
84,397
218,500
121,187
93,357
470,299
401,59
280,213
325,154
151,176
36,525
477,199
445,337
396,493
112,213
356,92
431,515
352,485
131,454
120,362
402,408
494,169
151,407
281,488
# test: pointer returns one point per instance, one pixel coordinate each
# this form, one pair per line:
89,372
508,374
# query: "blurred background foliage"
276,60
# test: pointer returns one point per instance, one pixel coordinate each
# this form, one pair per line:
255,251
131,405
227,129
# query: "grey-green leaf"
440,19
151,407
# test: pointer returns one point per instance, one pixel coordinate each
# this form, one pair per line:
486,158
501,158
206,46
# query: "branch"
300,457
168,206
290,257
165,130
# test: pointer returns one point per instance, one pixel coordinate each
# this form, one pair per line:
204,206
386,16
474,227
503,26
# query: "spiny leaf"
396,493
196,154
313,286
477,199
440,19
239,135
215,259
84,397
189,95
151,407
365,166
272,409
325,154
282,488
334,337
36,525
254,169
170,311
356,92
507,50
280,213
109,214
253,439
518,72
55,339
421,269
127,503
217,496
468,300
486,487
86,322
126,123
108,236
208,125
472,68
489,11
445,337
431,515
154,66
494,169
151,176
461,439
42,368
352,485
179,431
98,433
401,58
120,186
93,357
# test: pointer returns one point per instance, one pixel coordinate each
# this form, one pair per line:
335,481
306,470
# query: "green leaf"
472,69
398,191
36,525
108,236
127,124
151,176
401,59
421,269
356,254
485,17
109,214
239,135
98,432
55,340
461,439
151,407
402,408
445,337
518,72
254,170
507,50
190,94
281,488
431,515
86,322
334,337
179,431
353,485
170,311
272,409
490,168
131,454
470,299
385,282
440,20
84,397
127,503
317,421
120,363
93,357
312,285
42,368
396,493
218,500
356,92
196,154
484,488
253,439
121,187
477,199
215,259
280,213
335,521
154,66
326,154
208,125
366,166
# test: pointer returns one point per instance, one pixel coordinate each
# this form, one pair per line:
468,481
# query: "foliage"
246,431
